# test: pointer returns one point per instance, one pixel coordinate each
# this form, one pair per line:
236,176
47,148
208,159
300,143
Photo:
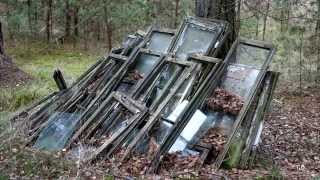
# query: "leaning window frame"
155,114
210,25
252,94
211,84
140,52
215,65
143,89
68,94
153,30
116,80
138,111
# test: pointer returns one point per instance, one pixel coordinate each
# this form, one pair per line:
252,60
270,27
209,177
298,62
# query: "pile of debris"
163,98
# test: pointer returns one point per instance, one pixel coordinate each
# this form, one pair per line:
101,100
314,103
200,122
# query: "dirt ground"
10,74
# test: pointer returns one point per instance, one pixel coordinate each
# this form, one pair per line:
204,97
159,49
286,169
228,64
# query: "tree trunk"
257,25
318,42
176,23
76,21
49,20
300,61
29,4
109,34
265,20
68,19
220,9
109,27
1,41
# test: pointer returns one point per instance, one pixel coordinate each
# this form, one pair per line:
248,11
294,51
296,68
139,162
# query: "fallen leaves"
222,100
292,134
177,162
216,138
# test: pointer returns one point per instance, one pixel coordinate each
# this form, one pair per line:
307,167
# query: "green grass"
40,61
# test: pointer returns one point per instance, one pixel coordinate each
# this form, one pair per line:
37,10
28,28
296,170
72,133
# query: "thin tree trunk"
265,20
109,34
1,41
177,14
29,4
109,27
76,21
257,26
49,20
239,17
300,61
98,30
288,13
318,42
282,16
68,19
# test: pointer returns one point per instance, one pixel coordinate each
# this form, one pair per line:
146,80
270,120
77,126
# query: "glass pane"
116,121
189,132
251,55
180,100
143,65
155,137
239,80
160,42
194,39
161,81
55,135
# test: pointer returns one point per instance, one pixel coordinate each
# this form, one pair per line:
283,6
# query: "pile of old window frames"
155,87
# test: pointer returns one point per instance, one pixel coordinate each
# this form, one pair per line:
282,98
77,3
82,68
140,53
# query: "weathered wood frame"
210,84
140,52
74,95
261,108
216,65
209,25
108,89
156,113
187,66
143,88
152,30
138,112
252,93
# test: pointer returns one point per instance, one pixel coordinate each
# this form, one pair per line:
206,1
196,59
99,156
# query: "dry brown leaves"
215,138
292,134
177,163
222,100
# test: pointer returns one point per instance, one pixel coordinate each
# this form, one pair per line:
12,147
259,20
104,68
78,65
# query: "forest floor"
291,135
290,148
10,74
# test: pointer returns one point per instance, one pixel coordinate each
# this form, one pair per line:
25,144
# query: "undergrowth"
40,61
